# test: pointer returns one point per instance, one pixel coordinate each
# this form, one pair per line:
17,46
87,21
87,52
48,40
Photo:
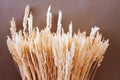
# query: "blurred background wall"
83,13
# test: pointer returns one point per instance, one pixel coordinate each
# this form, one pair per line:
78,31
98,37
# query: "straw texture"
43,55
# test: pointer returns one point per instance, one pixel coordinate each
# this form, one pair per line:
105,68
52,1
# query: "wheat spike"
43,55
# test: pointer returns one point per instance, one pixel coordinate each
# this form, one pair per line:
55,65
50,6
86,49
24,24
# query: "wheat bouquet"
46,55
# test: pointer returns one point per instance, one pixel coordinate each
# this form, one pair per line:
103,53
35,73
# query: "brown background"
83,13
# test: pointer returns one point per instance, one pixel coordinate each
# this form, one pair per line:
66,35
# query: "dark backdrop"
83,13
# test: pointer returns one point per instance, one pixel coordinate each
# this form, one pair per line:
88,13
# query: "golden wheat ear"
43,55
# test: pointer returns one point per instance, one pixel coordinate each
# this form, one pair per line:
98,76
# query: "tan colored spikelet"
43,55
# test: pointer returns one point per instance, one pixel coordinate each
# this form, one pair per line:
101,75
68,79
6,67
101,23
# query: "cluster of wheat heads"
44,55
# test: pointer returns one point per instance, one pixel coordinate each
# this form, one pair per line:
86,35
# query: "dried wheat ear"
43,55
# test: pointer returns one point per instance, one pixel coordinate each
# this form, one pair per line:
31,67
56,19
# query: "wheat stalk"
43,55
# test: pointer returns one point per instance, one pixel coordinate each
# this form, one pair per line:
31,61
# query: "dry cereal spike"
43,55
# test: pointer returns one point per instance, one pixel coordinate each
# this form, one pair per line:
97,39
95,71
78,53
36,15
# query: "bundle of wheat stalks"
44,55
